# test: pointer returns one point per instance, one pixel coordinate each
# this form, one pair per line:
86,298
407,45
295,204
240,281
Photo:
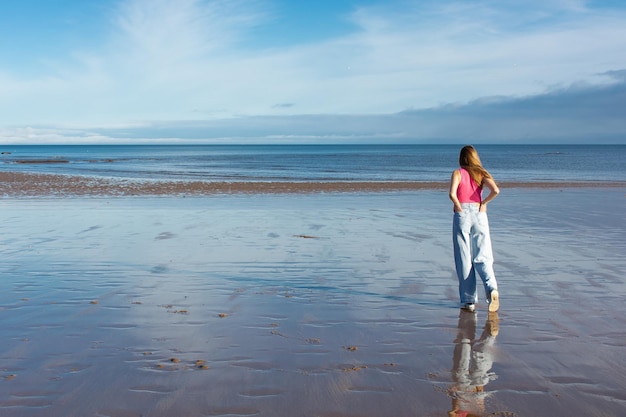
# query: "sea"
323,163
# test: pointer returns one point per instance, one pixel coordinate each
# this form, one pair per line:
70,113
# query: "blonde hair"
469,159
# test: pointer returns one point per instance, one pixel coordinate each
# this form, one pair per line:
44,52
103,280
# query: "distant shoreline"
18,184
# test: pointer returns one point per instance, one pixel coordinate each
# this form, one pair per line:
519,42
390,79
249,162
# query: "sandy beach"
18,184
317,303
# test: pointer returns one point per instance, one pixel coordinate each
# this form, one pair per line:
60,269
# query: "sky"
325,71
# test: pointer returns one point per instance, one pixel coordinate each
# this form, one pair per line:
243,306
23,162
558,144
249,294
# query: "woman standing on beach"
470,229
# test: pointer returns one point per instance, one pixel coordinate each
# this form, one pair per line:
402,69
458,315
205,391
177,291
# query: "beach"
322,302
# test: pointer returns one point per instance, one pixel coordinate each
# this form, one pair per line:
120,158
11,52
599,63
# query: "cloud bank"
577,114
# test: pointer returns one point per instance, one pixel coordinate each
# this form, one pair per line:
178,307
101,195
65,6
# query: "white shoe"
469,307
494,303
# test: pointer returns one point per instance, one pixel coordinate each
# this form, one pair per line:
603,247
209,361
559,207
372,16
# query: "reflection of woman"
472,365
470,229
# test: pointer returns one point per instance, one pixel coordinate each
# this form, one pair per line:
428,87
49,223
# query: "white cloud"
455,54
156,34
577,114
179,60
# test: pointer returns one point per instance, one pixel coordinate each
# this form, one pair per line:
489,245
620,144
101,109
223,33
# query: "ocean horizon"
311,163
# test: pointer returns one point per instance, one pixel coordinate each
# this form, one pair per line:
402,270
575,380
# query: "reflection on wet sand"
472,362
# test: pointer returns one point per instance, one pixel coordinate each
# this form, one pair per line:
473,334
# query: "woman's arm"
455,180
493,193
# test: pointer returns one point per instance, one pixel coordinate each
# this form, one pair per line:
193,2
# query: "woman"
470,229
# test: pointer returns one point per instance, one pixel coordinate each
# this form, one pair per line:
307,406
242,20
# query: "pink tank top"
468,191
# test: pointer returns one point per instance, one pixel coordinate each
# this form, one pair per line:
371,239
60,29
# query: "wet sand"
308,304
18,184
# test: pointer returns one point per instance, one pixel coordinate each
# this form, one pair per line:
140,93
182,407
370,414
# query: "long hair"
469,159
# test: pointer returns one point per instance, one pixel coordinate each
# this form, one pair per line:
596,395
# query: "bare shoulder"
455,180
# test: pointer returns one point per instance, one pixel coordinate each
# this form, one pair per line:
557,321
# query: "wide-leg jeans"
472,252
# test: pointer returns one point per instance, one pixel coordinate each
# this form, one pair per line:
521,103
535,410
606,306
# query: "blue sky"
340,71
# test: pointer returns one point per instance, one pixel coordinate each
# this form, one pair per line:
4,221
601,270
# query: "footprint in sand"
165,235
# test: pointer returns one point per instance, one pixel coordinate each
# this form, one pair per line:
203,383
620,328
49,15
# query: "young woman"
470,229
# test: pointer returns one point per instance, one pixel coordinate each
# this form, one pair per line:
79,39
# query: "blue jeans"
472,252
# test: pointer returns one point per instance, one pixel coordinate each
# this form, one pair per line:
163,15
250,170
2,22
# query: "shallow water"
329,305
